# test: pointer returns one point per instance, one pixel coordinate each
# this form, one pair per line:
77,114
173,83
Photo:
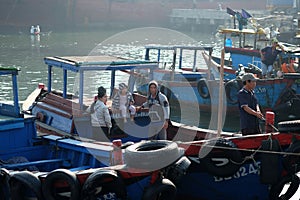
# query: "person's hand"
259,115
166,124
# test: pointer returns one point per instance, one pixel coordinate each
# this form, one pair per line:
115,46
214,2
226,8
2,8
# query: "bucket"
117,152
270,118
228,42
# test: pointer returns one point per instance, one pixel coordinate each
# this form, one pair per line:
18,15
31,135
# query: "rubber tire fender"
108,180
164,189
4,184
232,87
232,158
24,180
61,174
277,188
202,87
151,155
289,126
292,162
176,171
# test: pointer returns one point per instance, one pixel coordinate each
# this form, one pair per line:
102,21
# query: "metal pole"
220,110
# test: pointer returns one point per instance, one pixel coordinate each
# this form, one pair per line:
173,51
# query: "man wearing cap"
268,56
248,106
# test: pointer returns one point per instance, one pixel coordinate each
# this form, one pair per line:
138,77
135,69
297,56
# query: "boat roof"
88,63
8,70
243,31
80,64
174,47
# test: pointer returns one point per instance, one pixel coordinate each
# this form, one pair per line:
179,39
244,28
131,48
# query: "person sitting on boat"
268,57
156,99
248,106
100,117
123,101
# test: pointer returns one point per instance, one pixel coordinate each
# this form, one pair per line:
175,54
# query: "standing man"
248,106
158,100
268,56
100,117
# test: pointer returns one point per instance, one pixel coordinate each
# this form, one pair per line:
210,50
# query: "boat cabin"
248,46
56,106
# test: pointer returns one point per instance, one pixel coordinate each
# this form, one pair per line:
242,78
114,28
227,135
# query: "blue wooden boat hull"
280,95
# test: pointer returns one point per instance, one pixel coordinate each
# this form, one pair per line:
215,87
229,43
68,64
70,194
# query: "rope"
249,150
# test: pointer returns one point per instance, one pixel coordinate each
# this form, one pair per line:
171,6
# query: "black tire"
292,162
277,188
4,184
289,126
232,88
164,189
52,193
221,162
151,155
202,88
177,170
291,75
108,180
23,181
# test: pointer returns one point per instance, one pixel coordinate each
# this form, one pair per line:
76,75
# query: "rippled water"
27,52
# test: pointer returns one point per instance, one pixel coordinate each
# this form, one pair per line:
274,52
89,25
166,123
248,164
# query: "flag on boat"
230,11
245,14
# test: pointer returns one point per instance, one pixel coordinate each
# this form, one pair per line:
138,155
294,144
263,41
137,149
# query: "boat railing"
82,64
176,48
7,109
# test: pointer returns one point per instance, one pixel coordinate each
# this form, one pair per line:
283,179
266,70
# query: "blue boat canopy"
80,64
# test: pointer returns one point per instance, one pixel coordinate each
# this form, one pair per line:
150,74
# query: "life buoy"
61,175
292,162
4,184
23,181
148,154
102,183
203,88
220,162
289,126
232,87
277,188
163,189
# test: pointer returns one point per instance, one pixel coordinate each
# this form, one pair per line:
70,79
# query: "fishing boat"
187,72
216,163
278,94
47,166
